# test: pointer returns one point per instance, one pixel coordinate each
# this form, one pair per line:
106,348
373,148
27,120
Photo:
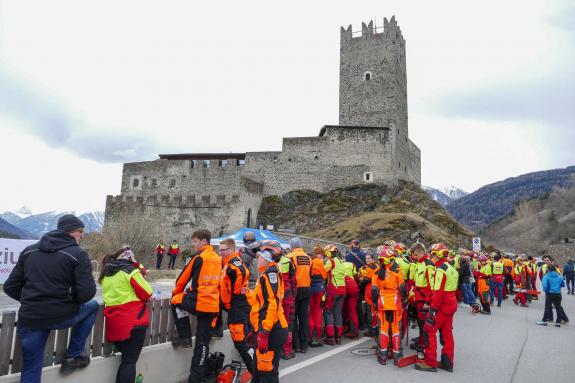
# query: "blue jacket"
552,282
352,256
569,269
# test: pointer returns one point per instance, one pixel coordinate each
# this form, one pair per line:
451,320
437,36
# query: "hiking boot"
315,343
288,355
516,302
382,357
524,305
485,312
424,367
329,341
70,364
541,323
557,324
181,342
564,322
301,350
445,364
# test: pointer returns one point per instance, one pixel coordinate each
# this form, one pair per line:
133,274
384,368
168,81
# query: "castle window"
193,164
367,76
206,163
223,163
172,183
241,162
367,176
135,183
154,182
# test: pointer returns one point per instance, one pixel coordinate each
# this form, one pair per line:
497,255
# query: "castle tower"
373,82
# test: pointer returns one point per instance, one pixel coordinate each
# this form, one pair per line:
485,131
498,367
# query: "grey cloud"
44,117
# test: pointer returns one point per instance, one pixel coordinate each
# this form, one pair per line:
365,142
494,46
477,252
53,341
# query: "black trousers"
172,262
551,300
509,283
360,307
300,333
159,258
199,368
183,326
267,365
130,349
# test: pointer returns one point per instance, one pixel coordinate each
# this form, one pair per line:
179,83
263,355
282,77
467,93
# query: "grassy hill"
371,213
535,223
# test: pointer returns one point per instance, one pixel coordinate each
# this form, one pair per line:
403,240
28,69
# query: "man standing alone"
54,284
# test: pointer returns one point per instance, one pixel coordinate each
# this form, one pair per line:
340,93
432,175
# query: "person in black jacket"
54,284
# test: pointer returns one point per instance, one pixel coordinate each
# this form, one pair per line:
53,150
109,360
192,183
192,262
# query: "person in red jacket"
317,289
160,250
287,270
423,282
443,306
125,293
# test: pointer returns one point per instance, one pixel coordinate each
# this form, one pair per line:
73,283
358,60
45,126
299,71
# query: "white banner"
10,250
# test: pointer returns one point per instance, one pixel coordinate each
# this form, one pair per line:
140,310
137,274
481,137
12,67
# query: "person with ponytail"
125,293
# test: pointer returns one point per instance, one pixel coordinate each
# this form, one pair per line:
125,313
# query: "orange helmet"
439,250
270,250
386,255
400,248
331,251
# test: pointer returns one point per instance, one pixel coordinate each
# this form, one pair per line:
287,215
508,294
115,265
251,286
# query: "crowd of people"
279,302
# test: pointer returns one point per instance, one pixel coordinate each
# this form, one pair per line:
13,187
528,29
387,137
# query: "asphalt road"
505,347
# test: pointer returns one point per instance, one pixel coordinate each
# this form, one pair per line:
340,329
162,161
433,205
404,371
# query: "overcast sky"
86,86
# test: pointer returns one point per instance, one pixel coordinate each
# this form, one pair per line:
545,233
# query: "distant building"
223,192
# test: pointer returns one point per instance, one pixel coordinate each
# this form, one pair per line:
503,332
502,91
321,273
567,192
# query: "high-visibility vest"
451,275
349,269
421,271
498,268
404,265
335,271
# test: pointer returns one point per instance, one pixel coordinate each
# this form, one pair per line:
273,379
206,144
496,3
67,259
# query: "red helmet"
482,258
386,255
273,248
400,248
439,250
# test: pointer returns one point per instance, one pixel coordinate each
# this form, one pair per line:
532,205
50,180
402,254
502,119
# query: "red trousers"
443,323
350,309
315,315
289,312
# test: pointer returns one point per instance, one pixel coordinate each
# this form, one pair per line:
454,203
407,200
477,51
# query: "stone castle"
223,192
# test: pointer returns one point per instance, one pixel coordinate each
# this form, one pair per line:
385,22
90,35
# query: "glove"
411,297
431,318
251,339
263,338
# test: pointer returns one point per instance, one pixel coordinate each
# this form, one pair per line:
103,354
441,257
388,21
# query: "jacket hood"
56,240
553,274
118,265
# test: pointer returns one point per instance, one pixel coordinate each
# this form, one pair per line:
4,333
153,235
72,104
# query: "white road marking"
319,358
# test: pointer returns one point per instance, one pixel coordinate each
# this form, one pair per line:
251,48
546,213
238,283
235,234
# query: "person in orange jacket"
233,292
365,275
302,263
388,294
267,316
483,278
201,299
443,306
317,289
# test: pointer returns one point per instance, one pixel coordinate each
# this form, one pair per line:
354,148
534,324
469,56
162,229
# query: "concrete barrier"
158,364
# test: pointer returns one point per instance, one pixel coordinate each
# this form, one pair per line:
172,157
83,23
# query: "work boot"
516,301
524,305
330,340
382,356
70,364
424,367
445,363
396,358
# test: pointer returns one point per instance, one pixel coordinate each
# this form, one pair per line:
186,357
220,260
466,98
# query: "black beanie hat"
69,223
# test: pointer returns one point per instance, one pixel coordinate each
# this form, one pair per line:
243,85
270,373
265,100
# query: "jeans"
468,296
34,340
172,262
570,284
496,286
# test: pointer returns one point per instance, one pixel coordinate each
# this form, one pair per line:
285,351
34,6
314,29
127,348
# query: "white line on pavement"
319,358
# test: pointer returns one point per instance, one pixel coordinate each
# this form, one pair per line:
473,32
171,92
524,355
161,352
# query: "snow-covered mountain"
39,224
444,195
453,192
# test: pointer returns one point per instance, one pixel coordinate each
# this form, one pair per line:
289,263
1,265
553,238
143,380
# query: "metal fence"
160,330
